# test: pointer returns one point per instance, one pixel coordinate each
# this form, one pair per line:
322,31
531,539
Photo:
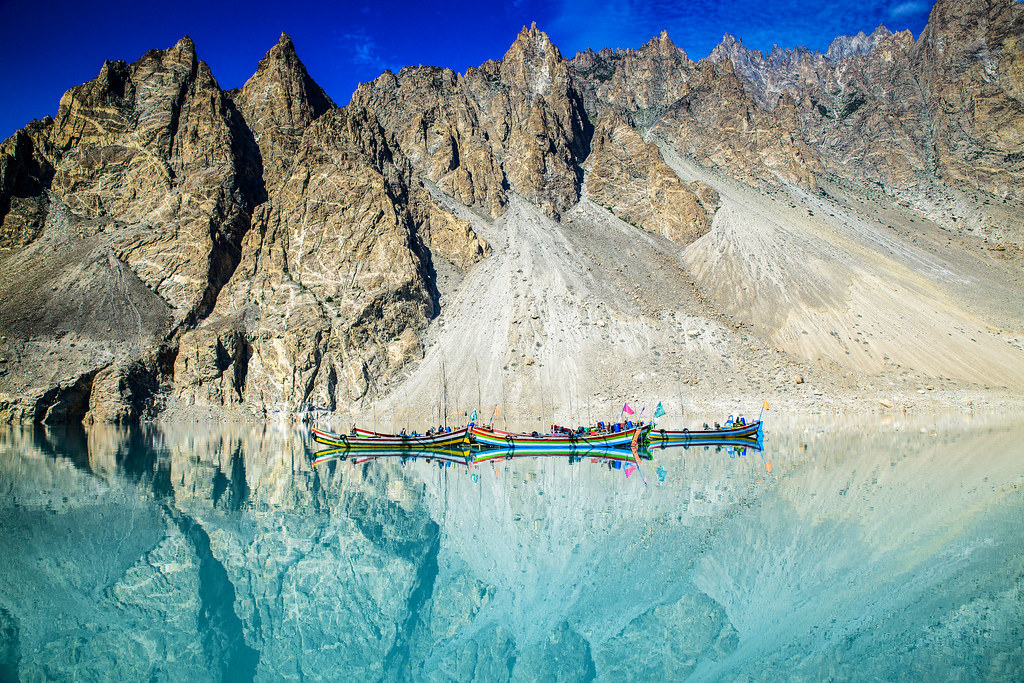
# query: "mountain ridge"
278,255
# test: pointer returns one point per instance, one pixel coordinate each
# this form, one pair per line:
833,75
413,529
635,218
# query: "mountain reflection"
223,553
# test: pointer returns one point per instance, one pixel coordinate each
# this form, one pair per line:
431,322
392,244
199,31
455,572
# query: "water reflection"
167,553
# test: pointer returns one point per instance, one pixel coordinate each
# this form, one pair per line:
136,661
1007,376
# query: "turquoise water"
222,554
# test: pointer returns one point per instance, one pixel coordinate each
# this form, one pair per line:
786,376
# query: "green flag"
659,411
472,418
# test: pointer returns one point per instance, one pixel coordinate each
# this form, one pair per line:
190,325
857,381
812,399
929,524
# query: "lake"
864,552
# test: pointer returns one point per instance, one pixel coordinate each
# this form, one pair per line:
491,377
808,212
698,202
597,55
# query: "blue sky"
50,46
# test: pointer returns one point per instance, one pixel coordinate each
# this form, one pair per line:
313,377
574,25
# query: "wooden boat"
494,438
672,435
377,441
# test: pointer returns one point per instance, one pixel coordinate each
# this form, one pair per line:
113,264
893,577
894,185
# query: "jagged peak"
182,53
781,55
729,40
662,40
731,47
531,41
663,45
185,48
281,64
533,62
860,44
584,54
283,58
283,49
880,32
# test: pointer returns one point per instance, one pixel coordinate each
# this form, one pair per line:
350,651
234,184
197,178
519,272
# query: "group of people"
729,424
600,428
430,432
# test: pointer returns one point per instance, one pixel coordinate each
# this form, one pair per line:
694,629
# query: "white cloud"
909,9
363,50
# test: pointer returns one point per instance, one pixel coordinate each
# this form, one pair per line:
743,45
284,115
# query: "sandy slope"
806,300
830,283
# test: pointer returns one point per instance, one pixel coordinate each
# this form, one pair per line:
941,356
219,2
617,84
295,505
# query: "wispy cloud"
910,8
363,50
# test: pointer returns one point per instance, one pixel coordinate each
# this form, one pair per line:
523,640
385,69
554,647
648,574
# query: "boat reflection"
736,446
469,456
473,455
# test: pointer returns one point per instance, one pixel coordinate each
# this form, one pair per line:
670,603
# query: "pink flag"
626,409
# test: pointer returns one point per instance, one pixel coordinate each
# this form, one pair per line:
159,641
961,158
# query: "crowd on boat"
615,427
731,423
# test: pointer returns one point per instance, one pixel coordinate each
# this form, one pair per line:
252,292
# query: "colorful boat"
495,438
747,431
456,437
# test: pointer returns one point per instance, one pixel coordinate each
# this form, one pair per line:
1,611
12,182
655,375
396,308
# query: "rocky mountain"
517,122
550,233
157,193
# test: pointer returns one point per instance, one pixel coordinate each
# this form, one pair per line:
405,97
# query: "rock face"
25,173
325,300
157,146
703,109
517,122
147,181
278,103
169,246
883,108
629,176
972,80
644,82
719,123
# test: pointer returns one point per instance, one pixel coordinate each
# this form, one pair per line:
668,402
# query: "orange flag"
765,406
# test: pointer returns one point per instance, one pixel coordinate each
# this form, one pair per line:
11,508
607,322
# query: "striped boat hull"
575,442
456,437
750,431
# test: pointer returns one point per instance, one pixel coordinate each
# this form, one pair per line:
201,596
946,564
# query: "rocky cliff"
518,122
171,247
152,190
944,110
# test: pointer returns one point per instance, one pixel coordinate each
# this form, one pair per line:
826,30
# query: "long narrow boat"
748,431
752,443
494,438
455,437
